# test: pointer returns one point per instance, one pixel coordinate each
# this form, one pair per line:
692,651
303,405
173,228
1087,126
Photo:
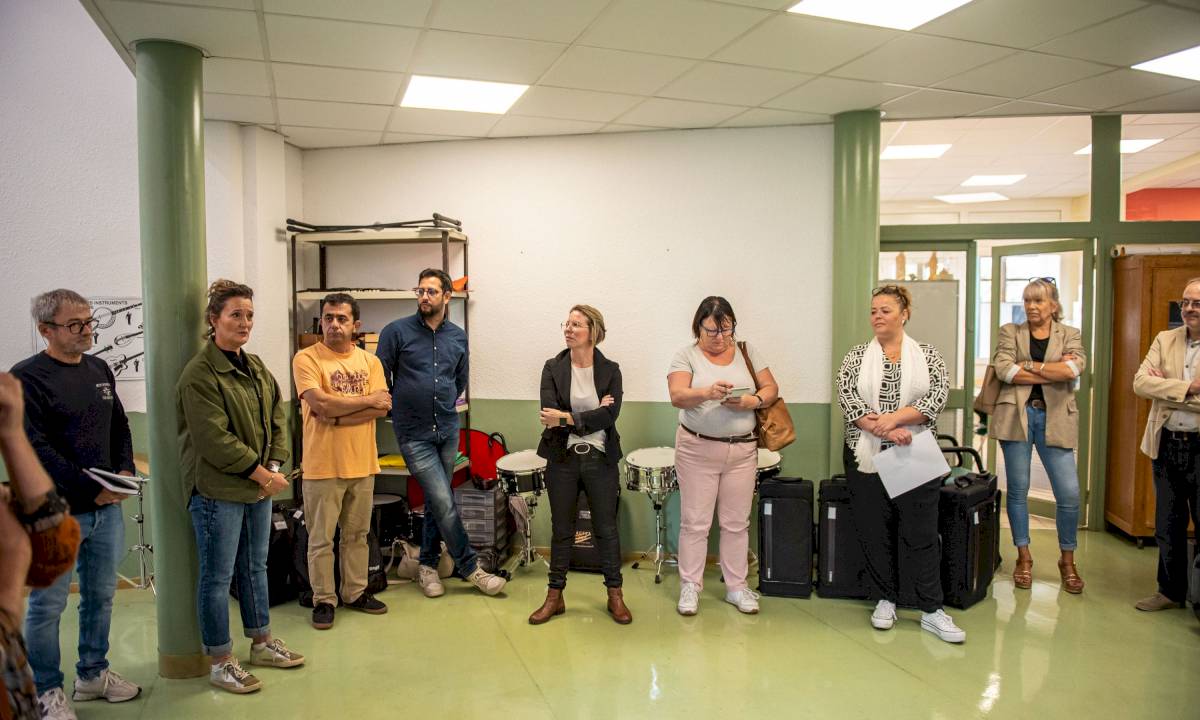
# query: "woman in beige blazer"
1038,362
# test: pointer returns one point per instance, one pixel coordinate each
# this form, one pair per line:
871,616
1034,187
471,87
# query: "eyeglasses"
1186,304
573,326
894,290
714,332
431,292
75,327
1050,280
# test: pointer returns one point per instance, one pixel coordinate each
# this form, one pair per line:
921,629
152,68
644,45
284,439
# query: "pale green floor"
1038,653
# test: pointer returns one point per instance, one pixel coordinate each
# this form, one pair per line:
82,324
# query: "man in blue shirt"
425,360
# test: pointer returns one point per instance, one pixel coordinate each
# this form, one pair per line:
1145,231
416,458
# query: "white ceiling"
328,73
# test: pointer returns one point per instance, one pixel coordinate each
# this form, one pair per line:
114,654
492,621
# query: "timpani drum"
522,472
650,470
768,464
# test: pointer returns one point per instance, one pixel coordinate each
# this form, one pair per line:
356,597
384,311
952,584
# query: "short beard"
432,312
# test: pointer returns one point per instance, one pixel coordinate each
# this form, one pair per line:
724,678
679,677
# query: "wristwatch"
562,422
45,517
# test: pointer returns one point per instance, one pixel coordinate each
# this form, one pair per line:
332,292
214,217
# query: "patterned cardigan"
854,406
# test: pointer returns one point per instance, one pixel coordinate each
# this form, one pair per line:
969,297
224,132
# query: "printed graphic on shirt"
349,383
105,391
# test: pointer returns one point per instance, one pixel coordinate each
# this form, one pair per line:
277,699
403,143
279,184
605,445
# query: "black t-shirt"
1037,351
75,420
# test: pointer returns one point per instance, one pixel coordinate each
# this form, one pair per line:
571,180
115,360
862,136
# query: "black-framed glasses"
1186,304
431,292
75,327
727,332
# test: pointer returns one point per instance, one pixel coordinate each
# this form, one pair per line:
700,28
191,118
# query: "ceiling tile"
309,138
1023,74
389,12
481,57
939,103
566,104
1182,144
834,95
657,112
312,82
1175,102
1024,23
760,117
732,84
441,122
344,116
1111,89
339,44
238,108
237,77
393,138
614,70
1024,107
1149,33
226,33
551,20
511,126
232,4
1165,118
792,42
618,128
1161,130
687,28
920,60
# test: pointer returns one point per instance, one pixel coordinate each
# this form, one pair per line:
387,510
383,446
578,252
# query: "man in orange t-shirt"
342,390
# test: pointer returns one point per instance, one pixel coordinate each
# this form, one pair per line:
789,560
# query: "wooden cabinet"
1146,290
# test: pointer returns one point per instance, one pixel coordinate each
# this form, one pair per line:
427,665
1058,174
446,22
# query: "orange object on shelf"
460,284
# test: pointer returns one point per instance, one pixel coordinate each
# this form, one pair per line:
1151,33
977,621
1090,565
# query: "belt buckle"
586,448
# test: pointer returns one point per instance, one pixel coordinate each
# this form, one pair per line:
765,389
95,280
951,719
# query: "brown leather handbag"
773,423
985,402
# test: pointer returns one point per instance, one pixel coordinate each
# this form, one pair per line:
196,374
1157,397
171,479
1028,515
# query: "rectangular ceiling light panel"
1184,64
1128,147
438,93
913,152
897,14
970,197
992,180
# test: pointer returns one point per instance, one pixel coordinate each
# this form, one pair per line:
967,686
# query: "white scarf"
914,383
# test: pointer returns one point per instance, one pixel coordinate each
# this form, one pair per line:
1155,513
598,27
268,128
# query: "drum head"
655,457
521,462
385,499
768,458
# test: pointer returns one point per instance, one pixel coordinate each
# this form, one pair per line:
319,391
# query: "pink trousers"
721,475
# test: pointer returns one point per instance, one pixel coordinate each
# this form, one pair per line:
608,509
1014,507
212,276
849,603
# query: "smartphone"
737,392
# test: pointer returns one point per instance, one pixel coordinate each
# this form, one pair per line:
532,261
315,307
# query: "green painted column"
855,243
171,181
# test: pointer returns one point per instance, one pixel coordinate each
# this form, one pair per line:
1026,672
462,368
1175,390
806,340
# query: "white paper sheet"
904,467
114,482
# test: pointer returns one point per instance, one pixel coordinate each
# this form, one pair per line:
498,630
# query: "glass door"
941,278
1071,265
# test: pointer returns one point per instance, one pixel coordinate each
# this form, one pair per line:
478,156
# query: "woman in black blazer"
581,398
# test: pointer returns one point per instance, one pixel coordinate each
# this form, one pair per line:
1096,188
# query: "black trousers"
899,538
591,473
1176,498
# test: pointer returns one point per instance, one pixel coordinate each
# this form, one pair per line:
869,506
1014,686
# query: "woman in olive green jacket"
231,428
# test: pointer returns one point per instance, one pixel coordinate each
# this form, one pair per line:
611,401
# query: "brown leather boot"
553,605
616,607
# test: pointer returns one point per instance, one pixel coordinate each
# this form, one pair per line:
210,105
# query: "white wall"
641,225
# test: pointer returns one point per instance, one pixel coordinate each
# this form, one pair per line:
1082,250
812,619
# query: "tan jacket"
1062,416
1167,393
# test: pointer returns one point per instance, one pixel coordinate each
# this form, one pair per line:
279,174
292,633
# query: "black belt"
584,448
1035,403
1181,436
748,437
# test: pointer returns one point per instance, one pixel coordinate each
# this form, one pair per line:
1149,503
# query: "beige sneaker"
487,583
1156,602
107,685
230,676
429,581
275,654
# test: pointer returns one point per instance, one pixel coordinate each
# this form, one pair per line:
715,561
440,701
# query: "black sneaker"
368,604
322,616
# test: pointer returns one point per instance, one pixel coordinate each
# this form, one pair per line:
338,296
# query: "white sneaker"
429,581
230,676
942,625
746,600
53,705
689,598
108,685
487,583
884,616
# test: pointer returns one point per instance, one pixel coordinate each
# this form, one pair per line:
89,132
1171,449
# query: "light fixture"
895,14
1127,146
438,93
992,180
1184,64
957,198
913,152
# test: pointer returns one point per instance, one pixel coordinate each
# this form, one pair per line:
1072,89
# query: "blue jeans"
231,538
432,464
102,534
1060,466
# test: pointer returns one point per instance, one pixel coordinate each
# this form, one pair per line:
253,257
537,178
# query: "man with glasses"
75,421
1169,376
425,360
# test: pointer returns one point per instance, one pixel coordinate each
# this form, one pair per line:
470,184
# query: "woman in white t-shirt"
716,450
